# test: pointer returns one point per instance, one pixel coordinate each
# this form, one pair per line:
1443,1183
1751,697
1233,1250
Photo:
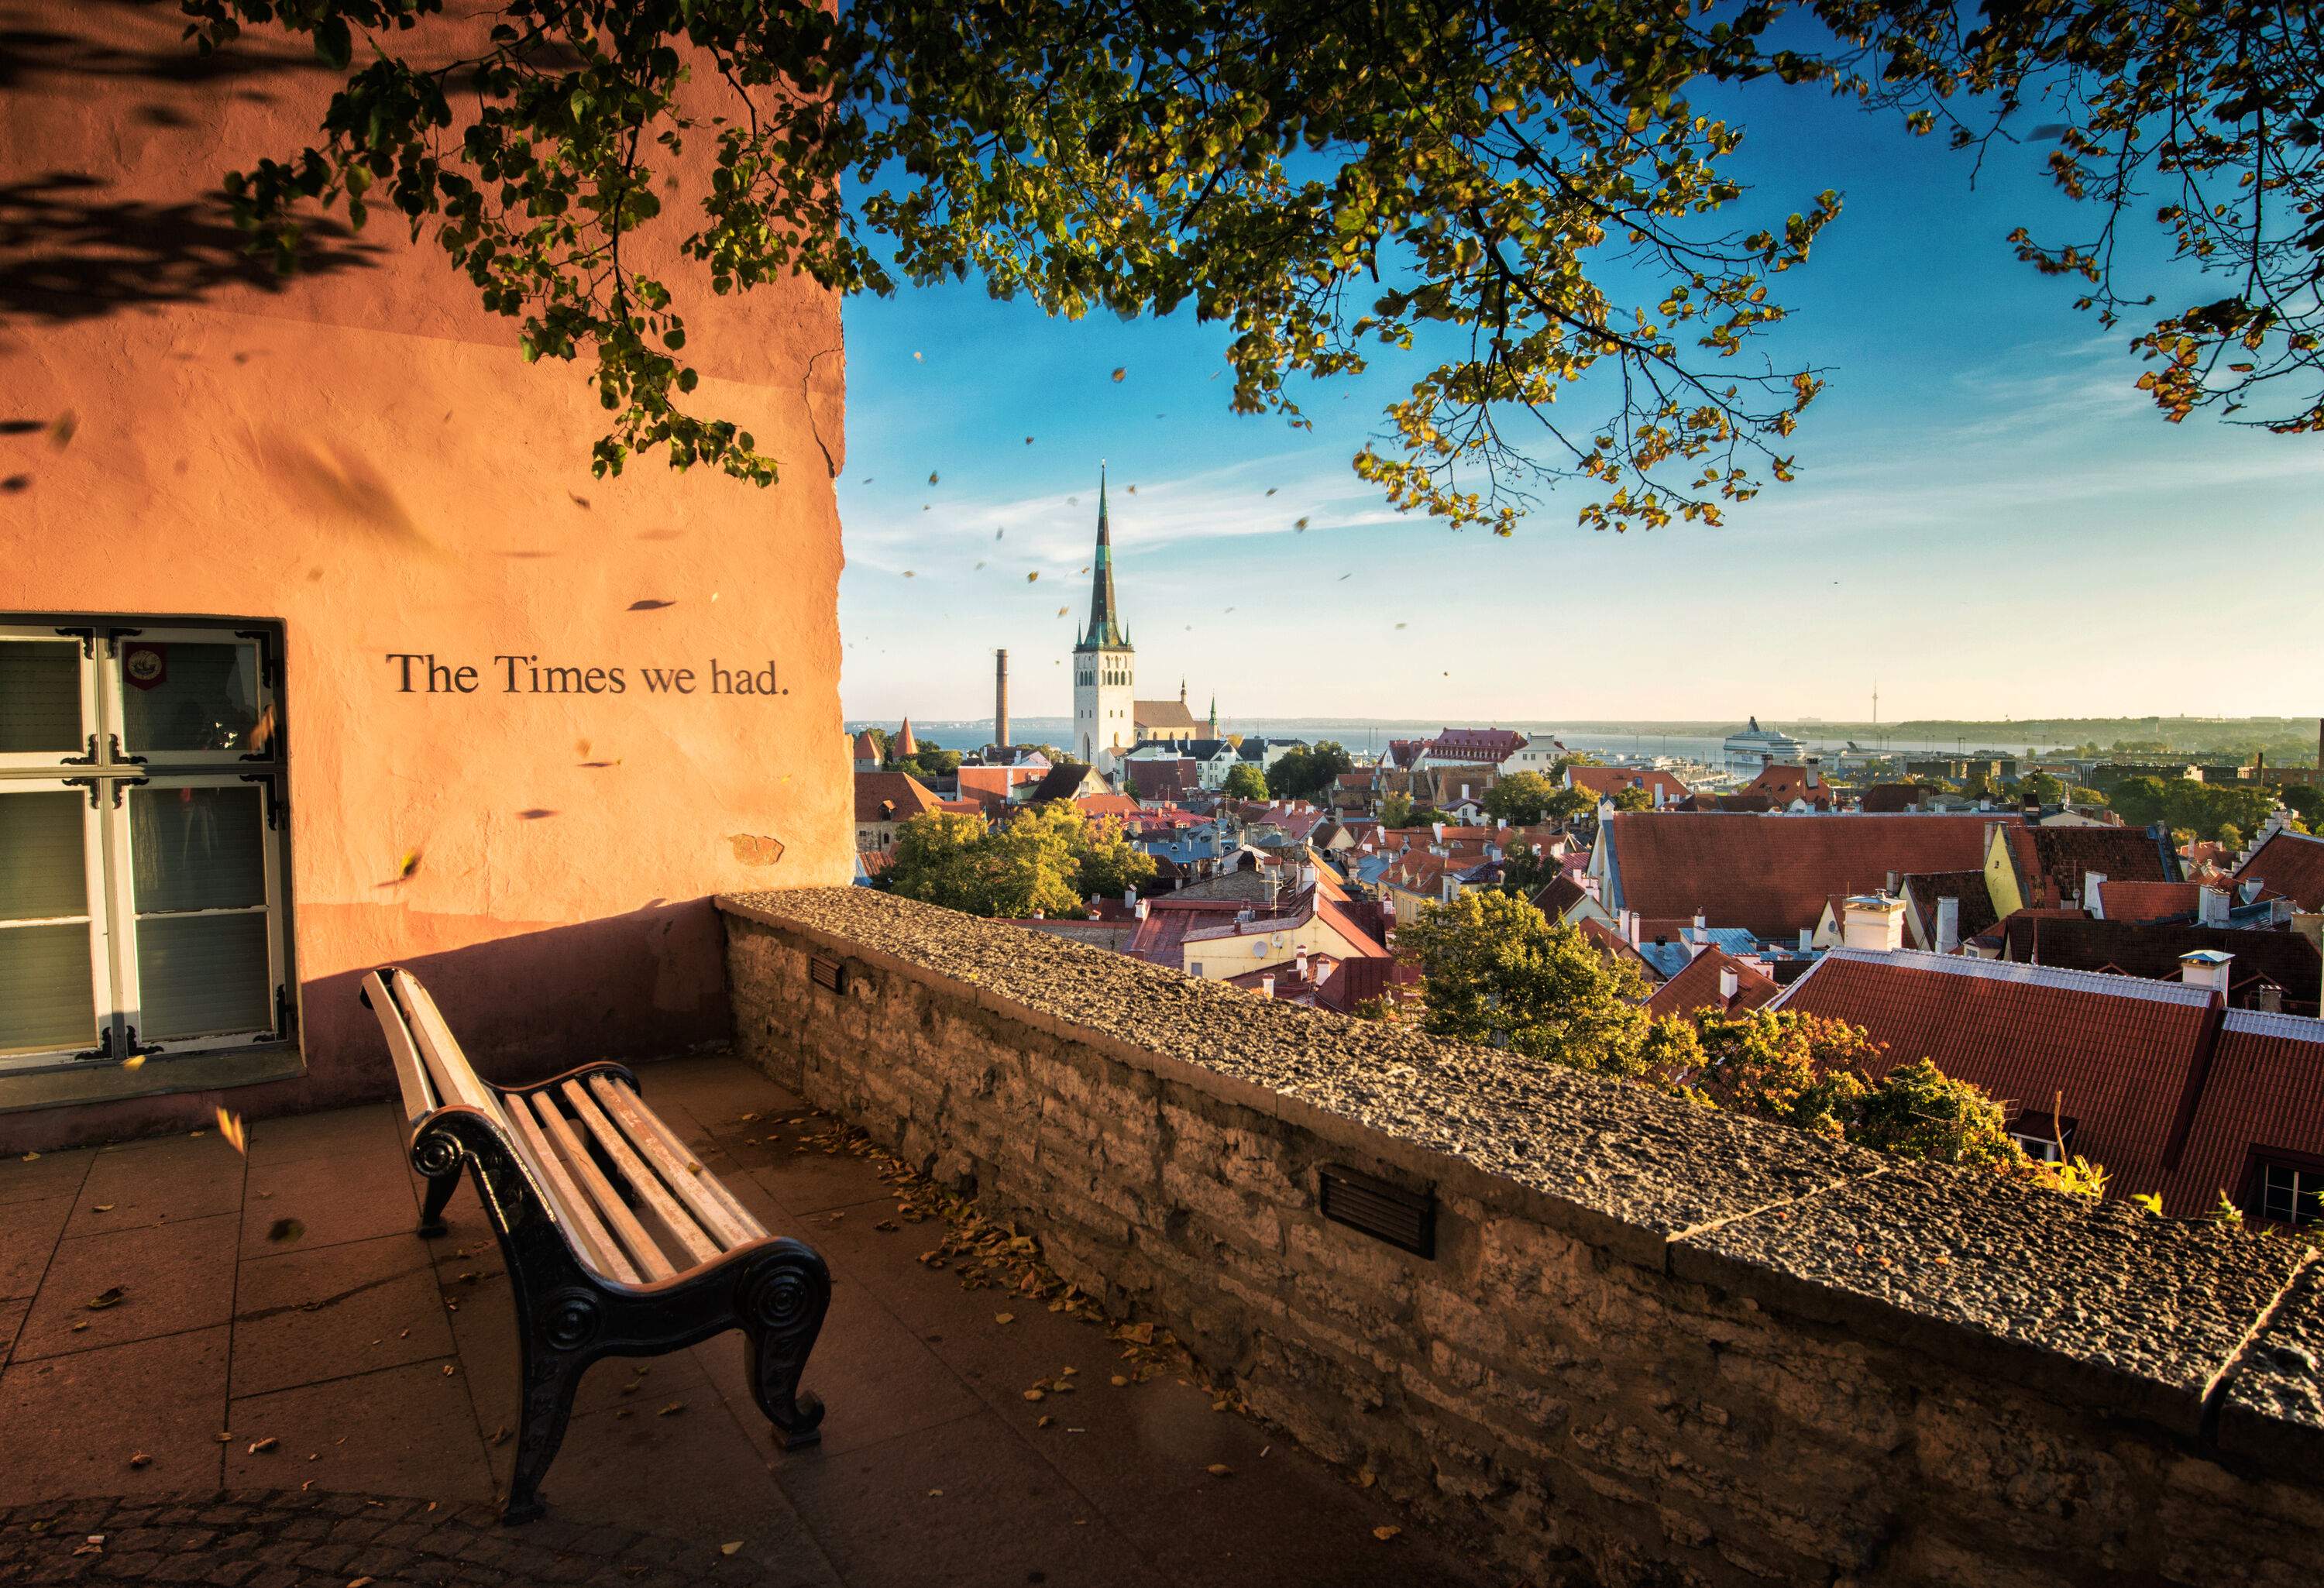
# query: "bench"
618,1243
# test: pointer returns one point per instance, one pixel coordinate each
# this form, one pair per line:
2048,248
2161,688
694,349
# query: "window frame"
102,1000
103,772
2302,1168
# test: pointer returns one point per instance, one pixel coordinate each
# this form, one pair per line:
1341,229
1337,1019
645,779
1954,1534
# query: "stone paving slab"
333,1340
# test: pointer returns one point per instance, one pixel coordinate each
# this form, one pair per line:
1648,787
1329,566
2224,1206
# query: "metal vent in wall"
828,973
1385,1212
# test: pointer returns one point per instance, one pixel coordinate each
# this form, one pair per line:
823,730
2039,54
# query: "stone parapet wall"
1653,1343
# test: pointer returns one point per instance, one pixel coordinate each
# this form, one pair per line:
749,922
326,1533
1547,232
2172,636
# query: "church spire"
1104,620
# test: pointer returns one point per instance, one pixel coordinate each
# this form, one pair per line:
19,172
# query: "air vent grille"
1386,1213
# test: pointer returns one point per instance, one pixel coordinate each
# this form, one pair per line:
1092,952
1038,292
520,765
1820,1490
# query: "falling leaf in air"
1063,609
1345,577
578,501
1301,526
285,1230
405,867
650,605
1000,531
534,814
262,732
1033,576
1121,373
61,432
909,573
1131,489
1271,490
134,1061
979,564
1399,625
932,476
1029,440
915,357
230,1127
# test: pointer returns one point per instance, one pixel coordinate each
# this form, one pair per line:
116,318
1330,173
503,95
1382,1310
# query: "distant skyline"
1988,519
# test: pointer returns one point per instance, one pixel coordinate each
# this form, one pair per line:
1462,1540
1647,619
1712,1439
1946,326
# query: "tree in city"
1522,799
1530,202
2040,788
928,764
1495,970
1106,864
1632,797
1308,773
2205,809
1395,810
2306,800
1244,781
1045,859
1798,1069
1917,1111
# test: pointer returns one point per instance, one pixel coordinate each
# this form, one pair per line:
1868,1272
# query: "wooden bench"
618,1243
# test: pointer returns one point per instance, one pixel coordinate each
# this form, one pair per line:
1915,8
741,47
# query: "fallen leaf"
29,1157
134,1062
649,605
1004,1317
1385,1533
230,1127
103,1207
1033,1394
500,1436
260,1446
111,1297
1218,1469
730,1548
1117,1381
138,1458
935,1494
61,432
672,1409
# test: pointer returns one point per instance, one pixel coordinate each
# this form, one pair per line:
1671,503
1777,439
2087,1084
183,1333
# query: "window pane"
188,696
45,998
43,873
200,974
196,848
40,697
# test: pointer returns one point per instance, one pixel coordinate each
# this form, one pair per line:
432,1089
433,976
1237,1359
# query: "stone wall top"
2196,1327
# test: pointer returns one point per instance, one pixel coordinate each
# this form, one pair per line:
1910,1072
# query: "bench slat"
455,1079
699,1247
643,1250
596,1247
711,1203
410,1070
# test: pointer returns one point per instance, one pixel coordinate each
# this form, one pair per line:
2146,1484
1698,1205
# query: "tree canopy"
1244,781
1526,202
1045,859
1309,772
2205,809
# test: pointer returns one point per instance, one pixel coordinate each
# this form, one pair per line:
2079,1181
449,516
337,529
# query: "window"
143,896
2291,1194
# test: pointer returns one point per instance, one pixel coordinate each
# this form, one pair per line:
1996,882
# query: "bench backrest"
576,1140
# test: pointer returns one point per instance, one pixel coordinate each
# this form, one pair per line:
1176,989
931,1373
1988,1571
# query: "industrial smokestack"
1000,699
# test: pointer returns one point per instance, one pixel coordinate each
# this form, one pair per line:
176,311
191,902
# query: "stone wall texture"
1652,1345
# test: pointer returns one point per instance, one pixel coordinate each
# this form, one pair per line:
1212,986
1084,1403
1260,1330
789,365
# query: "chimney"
1437,828
1322,972
2268,998
1812,760
1701,924
1948,925
1697,941
1874,921
1000,699
1729,982
1499,822
1299,963
2093,900
1141,909
1807,939
1464,791
2206,967
1129,898
1892,890
2213,909
1267,985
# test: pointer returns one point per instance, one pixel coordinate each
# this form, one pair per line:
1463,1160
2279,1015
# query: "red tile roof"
2151,949
1606,781
1696,988
1783,784
1113,805
2122,1056
890,796
1921,889
1773,874
2147,901
1481,746
1156,779
2050,862
2292,864
2265,1090
1887,798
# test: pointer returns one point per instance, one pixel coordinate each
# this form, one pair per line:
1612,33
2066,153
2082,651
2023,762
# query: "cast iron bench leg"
439,1192
782,1314
550,1377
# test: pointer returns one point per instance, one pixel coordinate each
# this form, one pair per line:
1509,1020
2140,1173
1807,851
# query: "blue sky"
1988,519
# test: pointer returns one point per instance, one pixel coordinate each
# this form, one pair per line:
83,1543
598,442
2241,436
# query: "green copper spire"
1104,620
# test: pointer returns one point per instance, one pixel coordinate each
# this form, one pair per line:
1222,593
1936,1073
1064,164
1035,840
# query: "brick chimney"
2206,967
1948,925
1874,921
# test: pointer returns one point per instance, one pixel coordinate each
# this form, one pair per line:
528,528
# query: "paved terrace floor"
269,1404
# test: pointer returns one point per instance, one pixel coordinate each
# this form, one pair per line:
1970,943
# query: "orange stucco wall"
362,454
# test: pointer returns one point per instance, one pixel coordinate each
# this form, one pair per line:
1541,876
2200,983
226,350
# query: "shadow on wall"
68,252
647,985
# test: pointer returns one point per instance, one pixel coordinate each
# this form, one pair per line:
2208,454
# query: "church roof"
1164,714
1104,617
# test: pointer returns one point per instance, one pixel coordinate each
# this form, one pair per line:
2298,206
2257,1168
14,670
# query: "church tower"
1105,713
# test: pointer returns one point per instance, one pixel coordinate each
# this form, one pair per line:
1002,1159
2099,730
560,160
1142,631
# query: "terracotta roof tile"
2292,864
1696,987
1773,874
890,796
1606,781
2148,901
2265,1090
